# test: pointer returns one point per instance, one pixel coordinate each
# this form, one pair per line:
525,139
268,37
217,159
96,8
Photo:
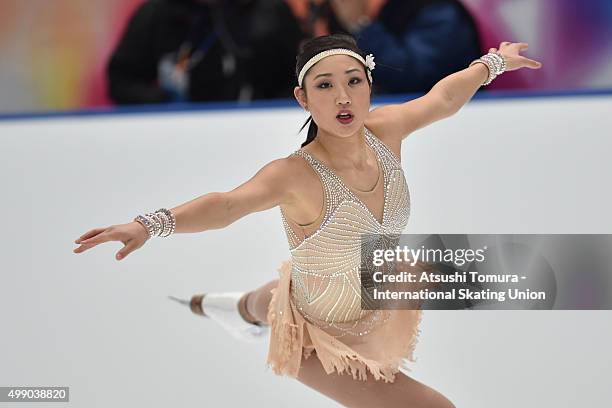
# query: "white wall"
106,329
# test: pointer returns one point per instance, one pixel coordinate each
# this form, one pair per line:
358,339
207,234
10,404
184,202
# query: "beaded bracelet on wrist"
171,222
490,68
160,223
495,63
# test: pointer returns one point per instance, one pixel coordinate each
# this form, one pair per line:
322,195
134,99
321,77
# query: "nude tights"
403,392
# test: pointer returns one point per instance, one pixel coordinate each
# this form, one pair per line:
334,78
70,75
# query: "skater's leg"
243,314
257,302
342,388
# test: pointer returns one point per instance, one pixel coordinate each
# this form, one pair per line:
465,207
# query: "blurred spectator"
415,42
205,50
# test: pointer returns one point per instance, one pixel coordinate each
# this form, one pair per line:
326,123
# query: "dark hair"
312,47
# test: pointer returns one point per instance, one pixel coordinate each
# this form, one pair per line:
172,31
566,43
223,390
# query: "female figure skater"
345,181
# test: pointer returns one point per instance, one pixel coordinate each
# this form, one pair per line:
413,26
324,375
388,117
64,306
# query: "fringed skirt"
379,352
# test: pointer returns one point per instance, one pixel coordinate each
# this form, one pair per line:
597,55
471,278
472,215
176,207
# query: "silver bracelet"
490,68
145,222
495,63
160,223
170,222
498,61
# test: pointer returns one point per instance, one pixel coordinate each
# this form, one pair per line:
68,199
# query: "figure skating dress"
317,305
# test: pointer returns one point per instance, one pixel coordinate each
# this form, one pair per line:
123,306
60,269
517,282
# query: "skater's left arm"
446,98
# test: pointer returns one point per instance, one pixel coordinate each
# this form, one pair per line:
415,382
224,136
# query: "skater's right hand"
133,235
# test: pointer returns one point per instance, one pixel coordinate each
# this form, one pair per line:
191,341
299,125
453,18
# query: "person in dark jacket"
205,50
416,42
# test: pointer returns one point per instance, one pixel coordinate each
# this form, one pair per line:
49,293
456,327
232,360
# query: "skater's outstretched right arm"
269,187
272,185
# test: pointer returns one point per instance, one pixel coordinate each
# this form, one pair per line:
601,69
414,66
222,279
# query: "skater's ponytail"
309,49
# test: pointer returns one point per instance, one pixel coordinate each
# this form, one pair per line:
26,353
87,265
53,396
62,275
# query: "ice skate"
225,309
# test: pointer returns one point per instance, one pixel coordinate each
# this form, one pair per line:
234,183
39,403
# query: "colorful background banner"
53,54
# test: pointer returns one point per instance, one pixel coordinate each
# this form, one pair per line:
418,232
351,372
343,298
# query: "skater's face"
335,85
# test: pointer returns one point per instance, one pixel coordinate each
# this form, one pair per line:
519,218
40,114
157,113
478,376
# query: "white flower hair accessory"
370,64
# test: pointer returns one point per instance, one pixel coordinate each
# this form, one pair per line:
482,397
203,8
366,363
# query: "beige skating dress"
317,305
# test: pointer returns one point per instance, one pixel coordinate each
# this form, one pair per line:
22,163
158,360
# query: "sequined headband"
368,62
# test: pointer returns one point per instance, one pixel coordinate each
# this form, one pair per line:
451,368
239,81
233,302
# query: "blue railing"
277,103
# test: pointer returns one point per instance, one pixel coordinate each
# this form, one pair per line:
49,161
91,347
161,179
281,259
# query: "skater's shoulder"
292,174
290,166
286,170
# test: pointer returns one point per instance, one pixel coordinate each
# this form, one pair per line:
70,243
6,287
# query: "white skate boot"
223,308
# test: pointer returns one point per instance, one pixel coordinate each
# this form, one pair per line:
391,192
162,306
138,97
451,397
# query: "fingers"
529,63
89,234
131,238
522,46
513,54
126,250
97,238
518,46
87,245
82,248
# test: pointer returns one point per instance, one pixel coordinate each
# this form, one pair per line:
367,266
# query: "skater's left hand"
133,236
511,53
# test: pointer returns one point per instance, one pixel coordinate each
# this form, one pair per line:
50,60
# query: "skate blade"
181,301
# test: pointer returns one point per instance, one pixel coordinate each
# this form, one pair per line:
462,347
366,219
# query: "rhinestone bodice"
325,275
